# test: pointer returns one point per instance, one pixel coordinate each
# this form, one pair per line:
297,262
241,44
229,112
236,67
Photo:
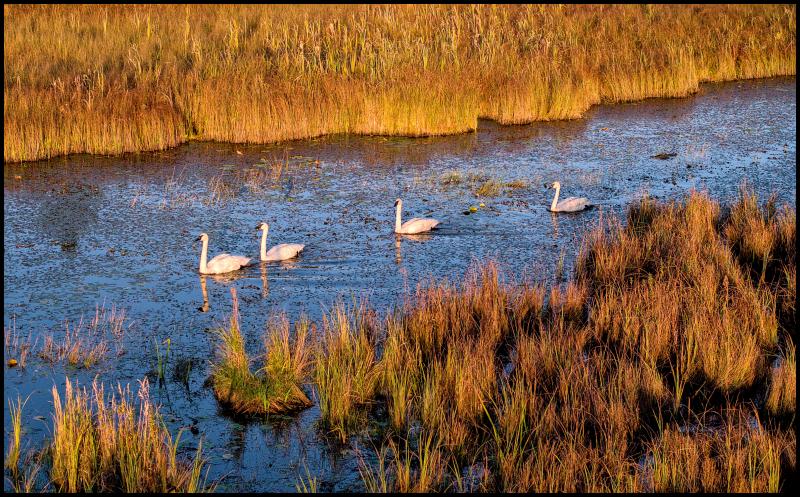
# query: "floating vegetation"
489,188
517,184
452,178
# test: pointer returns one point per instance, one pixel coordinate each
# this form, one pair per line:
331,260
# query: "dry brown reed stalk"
16,348
275,387
133,78
102,444
85,344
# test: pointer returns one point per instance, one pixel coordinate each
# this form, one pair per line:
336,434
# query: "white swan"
412,226
571,204
278,252
223,263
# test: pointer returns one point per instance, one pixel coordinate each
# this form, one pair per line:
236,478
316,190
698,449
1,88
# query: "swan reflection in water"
554,220
224,279
398,249
264,281
204,288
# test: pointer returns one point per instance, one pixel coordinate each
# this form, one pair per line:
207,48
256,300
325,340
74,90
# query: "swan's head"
262,226
398,202
202,238
555,184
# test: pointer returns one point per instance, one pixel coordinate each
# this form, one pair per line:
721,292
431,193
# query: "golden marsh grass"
115,79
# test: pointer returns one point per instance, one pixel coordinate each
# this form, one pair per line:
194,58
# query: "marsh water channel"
85,231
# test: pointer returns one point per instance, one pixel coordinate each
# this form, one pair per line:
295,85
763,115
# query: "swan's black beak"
547,185
395,203
198,238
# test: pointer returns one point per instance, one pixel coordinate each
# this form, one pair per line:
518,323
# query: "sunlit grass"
273,388
132,78
102,444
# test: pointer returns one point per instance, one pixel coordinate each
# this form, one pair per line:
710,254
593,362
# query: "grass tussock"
273,388
346,371
738,457
12,455
132,78
648,370
782,396
113,445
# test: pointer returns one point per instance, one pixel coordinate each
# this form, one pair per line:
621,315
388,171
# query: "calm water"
85,231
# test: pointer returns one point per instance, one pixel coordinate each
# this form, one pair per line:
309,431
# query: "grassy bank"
113,79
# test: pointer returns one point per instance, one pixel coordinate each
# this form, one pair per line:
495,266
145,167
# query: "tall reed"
131,78
102,444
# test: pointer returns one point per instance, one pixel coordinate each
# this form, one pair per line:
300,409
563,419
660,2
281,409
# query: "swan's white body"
412,226
571,204
223,263
280,252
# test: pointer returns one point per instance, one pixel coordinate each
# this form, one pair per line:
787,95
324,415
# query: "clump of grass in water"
307,485
111,445
517,184
86,344
161,366
452,178
16,348
275,388
489,188
408,471
13,452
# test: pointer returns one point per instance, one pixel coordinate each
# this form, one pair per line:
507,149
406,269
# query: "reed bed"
273,388
115,79
652,369
112,445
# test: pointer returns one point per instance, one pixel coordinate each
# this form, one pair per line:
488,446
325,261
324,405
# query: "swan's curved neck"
555,199
397,221
263,245
204,256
